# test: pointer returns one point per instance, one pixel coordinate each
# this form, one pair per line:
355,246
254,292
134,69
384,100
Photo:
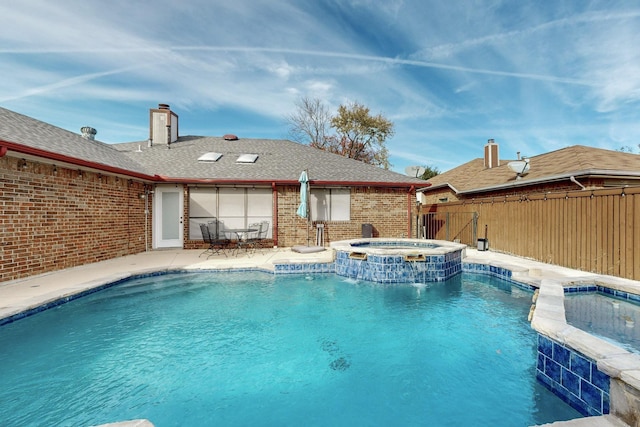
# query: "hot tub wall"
396,268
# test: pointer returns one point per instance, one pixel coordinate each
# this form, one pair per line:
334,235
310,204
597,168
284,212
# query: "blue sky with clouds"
536,76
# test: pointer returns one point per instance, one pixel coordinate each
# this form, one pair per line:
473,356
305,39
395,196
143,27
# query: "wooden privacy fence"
590,230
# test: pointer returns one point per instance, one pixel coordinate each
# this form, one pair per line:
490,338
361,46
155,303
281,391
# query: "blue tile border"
393,268
500,272
572,377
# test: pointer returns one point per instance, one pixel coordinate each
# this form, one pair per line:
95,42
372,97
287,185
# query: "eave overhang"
37,154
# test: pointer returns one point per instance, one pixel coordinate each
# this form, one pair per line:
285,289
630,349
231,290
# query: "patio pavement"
21,295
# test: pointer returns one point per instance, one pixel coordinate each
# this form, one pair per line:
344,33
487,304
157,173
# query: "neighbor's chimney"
491,158
88,132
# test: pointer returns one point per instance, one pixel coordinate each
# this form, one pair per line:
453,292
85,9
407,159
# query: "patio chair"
251,238
206,237
262,234
219,241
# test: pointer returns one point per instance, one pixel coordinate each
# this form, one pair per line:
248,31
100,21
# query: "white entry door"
168,217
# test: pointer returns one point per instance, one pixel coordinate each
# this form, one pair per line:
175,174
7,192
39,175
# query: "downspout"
575,181
410,205
3,150
274,228
147,192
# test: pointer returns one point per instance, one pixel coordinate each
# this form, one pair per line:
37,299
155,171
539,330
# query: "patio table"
241,235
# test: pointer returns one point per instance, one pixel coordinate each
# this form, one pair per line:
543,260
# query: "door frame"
176,217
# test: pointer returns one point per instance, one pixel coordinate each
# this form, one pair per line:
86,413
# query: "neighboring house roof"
31,136
576,161
279,161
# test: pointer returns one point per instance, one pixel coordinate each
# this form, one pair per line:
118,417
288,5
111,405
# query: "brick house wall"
385,209
54,217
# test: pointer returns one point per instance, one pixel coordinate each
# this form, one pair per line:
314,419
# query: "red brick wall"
54,218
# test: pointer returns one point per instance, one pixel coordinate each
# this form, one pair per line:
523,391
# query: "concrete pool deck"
22,295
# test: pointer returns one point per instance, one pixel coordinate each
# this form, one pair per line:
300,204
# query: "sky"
535,76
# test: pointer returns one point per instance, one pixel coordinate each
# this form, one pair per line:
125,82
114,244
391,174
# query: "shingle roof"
278,160
577,160
24,130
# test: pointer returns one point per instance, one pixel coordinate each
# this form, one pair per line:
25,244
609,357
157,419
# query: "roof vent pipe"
88,132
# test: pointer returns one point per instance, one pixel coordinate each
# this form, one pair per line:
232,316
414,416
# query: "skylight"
247,158
209,157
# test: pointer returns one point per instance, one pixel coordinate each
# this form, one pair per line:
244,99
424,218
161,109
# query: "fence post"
447,223
475,227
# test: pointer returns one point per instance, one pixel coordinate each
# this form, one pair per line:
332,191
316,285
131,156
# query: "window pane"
170,215
259,202
202,209
231,202
320,204
260,207
202,202
340,204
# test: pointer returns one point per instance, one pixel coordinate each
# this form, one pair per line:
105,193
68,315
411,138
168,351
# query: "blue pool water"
394,244
238,349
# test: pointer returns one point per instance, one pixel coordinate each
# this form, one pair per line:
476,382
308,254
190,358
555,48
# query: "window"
330,204
235,207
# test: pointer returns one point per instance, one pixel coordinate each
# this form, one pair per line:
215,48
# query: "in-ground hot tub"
387,260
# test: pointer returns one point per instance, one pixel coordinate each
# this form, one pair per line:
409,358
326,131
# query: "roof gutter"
601,173
437,187
5,146
575,181
270,182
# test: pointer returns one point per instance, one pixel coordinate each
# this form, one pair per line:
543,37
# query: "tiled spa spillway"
398,260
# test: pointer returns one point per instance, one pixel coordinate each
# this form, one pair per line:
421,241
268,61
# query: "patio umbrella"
304,195
303,209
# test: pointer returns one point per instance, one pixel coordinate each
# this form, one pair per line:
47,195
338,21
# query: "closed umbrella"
303,211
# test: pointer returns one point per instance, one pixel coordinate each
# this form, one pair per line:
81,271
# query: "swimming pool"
257,349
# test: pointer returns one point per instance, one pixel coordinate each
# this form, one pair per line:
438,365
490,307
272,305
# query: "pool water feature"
398,260
257,349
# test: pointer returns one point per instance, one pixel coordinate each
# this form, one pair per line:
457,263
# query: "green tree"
429,172
629,149
360,135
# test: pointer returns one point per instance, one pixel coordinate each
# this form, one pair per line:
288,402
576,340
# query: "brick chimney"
491,156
